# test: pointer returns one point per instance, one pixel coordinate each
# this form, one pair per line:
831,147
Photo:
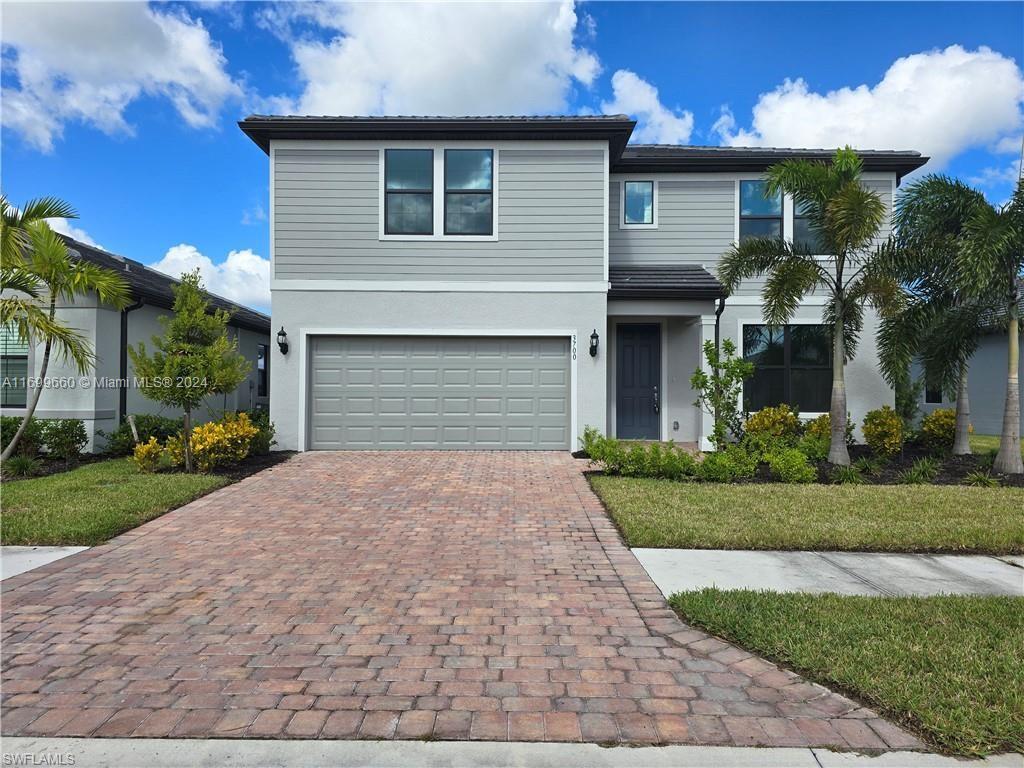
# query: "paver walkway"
477,595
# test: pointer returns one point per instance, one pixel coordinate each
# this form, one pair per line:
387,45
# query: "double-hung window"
806,238
792,365
468,191
760,215
13,368
638,203
409,192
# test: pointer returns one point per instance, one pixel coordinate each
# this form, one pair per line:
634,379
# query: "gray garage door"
439,392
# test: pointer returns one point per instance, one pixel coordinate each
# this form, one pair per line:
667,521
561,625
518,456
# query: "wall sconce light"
282,341
594,339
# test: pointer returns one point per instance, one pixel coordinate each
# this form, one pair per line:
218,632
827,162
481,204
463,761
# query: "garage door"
439,392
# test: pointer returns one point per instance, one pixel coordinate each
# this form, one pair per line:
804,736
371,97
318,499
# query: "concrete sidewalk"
847,573
200,753
15,560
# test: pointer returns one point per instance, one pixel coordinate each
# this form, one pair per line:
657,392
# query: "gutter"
122,391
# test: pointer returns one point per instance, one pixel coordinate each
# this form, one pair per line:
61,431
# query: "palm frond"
853,217
787,284
753,257
853,323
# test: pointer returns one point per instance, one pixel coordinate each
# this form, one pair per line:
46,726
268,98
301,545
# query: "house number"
574,346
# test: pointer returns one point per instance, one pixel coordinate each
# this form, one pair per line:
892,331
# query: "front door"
637,378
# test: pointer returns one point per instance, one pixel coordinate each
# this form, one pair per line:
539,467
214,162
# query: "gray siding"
550,221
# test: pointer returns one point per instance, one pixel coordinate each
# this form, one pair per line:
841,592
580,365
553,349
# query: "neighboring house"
503,282
986,383
110,332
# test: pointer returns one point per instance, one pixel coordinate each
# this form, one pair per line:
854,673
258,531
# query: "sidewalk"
847,573
15,560
217,753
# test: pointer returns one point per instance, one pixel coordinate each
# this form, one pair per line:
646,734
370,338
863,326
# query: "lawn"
950,668
93,503
883,518
985,443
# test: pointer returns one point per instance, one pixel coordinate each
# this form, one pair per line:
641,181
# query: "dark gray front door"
637,378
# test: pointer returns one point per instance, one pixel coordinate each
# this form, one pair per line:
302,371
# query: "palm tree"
941,323
845,217
39,272
14,223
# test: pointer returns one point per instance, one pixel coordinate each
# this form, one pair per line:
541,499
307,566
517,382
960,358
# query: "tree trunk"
962,436
1008,460
187,439
837,450
11,446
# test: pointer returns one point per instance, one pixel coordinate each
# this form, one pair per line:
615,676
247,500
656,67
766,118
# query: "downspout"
122,391
718,323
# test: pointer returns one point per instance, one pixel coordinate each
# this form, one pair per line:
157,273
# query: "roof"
677,281
157,289
663,157
616,129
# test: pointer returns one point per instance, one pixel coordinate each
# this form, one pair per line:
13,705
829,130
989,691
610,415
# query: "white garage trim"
304,342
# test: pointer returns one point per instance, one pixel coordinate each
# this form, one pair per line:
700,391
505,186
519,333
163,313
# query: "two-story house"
503,282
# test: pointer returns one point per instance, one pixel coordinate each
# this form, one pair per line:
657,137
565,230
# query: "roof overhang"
677,281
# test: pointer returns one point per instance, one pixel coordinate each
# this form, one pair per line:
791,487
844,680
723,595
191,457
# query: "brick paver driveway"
478,595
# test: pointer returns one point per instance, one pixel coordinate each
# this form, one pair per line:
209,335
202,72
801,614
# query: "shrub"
21,466
923,471
31,440
65,438
791,466
719,392
147,455
868,465
883,431
121,443
981,480
938,430
847,476
638,460
591,436
814,447
727,465
215,443
777,421
264,438
987,459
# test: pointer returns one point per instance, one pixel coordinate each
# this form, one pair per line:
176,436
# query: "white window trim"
438,194
568,333
622,206
804,415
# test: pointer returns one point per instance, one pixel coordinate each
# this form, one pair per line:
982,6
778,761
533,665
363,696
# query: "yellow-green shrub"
216,443
938,430
147,455
821,427
883,431
773,421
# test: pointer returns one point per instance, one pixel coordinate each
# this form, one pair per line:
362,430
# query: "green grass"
93,503
886,518
984,443
950,667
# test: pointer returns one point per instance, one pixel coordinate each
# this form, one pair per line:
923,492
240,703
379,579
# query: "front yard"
948,667
93,503
881,518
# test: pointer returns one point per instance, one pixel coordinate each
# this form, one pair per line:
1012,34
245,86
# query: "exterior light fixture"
594,339
282,341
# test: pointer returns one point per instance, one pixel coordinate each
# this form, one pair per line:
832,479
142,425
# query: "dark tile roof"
156,288
677,281
616,129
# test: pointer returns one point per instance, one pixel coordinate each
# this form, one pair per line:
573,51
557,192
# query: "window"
792,364
409,192
760,216
261,370
932,388
468,191
805,237
13,368
638,202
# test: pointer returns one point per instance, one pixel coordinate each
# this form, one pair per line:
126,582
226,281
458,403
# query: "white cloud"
993,177
1009,144
88,61
939,102
656,123
433,58
65,227
253,216
243,276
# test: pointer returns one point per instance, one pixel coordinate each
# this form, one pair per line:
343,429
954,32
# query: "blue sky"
128,111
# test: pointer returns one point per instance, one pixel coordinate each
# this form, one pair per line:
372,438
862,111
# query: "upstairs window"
638,203
760,216
13,368
805,237
468,192
409,192
792,365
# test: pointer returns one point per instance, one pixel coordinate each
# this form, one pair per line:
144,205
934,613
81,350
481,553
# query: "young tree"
719,393
941,323
846,218
193,359
38,272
